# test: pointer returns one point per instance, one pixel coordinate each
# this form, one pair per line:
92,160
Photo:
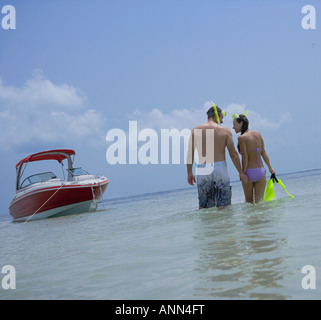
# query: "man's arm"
190,160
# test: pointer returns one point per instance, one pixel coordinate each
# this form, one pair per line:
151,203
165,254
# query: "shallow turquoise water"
159,246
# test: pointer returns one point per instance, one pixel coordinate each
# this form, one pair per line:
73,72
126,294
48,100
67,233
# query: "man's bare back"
210,140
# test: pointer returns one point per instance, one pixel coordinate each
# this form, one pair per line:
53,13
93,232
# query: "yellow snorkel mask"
236,116
216,113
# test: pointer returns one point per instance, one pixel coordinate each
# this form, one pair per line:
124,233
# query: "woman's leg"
259,188
248,191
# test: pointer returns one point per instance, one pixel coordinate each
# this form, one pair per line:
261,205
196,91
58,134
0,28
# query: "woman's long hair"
245,126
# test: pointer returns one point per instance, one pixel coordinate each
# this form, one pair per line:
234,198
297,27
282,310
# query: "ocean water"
159,246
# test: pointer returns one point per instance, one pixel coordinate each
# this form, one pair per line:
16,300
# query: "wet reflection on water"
242,254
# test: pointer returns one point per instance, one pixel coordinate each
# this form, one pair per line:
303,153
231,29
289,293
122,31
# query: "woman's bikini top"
258,153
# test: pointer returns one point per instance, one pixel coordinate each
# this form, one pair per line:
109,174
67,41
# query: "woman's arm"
243,151
234,156
266,157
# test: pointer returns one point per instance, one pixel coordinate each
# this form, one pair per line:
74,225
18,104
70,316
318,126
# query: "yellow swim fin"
283,186
269,191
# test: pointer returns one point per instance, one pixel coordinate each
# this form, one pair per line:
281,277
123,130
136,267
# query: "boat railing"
77,171
36,178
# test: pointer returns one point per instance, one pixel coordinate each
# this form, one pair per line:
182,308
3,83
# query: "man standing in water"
213,180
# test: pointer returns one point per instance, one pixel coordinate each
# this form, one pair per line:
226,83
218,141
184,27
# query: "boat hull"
56,200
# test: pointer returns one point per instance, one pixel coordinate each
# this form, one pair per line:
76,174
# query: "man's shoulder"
215,127
226,130
200,126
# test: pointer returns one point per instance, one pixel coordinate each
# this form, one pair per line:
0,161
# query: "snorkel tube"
236,116
217,118
216,113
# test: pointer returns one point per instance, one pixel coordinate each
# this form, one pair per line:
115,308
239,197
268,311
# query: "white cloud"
46,113
189,118
81,125
256,120
41,92
177,118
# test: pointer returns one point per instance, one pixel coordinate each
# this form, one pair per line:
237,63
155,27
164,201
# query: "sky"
72,71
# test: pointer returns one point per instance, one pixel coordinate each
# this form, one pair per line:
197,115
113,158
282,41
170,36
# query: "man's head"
211,114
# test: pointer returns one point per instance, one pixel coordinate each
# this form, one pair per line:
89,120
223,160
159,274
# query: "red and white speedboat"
44,195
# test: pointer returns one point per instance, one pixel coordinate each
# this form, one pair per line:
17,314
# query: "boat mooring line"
101,194
92,192
44,203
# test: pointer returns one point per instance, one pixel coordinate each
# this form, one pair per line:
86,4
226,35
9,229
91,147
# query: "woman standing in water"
251,147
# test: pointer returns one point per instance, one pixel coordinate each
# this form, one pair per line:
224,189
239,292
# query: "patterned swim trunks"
213,184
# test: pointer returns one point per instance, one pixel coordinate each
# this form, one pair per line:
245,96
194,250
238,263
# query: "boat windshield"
39,177
77,172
